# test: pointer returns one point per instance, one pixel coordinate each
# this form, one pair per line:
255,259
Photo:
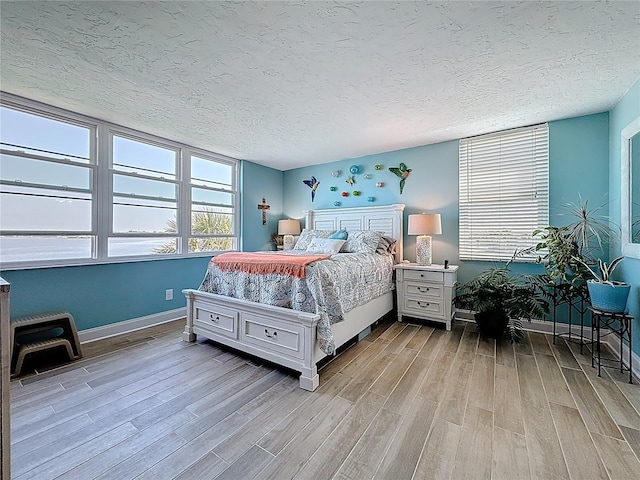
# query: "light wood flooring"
407,402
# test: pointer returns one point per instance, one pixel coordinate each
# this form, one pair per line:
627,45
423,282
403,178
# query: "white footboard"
280,335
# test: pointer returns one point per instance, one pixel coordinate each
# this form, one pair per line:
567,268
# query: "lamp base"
288,242
423,250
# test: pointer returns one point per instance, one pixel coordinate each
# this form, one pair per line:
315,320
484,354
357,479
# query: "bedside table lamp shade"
424,225
288,228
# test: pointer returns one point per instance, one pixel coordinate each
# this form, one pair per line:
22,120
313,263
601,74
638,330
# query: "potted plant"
277,240
565,250
607,295
500,301
562,255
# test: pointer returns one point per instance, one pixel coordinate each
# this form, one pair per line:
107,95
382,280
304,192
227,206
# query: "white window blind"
504,192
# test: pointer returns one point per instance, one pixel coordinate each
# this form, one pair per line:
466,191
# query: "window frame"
112,172
539,165
188,203
101,164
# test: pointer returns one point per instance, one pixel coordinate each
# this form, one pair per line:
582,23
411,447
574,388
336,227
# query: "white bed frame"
284,336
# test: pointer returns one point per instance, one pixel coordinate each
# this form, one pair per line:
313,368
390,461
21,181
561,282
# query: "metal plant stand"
576,300
618,324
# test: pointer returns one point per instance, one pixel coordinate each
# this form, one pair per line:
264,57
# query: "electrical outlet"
168,294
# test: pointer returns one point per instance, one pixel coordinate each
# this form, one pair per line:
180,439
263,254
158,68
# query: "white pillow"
325,245
307,235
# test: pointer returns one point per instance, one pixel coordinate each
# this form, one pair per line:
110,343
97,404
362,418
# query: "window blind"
504,192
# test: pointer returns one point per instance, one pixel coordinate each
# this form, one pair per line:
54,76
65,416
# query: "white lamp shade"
288,227
425,224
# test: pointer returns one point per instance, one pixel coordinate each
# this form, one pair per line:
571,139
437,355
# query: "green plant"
561,255
567,250
206,222
605,271
591,229
278,240
501,300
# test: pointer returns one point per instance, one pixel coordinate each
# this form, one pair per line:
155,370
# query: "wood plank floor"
407,402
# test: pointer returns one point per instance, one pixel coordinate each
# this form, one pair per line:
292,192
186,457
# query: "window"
144,201
47,172
213,193
75,190
504,192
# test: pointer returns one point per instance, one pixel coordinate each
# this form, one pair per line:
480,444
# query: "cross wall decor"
264,207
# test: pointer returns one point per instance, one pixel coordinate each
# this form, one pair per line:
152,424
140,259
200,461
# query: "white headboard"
386,219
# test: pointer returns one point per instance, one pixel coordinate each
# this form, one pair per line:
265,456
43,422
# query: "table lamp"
424,225
288,228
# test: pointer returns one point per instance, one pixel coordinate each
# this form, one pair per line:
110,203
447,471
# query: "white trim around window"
160,196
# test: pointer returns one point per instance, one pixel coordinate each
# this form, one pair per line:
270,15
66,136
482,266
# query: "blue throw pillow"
340,235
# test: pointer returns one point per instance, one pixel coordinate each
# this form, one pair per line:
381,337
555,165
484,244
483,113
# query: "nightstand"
426,291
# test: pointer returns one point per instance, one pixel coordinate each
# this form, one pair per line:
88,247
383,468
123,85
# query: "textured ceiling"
292,84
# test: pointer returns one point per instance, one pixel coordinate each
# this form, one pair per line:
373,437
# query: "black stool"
618,324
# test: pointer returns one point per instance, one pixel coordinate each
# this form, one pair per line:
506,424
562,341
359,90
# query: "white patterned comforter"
331,288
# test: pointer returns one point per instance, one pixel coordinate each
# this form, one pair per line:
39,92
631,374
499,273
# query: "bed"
287,336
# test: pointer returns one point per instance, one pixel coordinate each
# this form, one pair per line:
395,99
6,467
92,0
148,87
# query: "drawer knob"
422,304
269,335
215,320
422,289
421,275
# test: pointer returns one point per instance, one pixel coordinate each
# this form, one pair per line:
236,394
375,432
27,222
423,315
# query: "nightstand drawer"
271,335
425,290
217,320
424,275
423,306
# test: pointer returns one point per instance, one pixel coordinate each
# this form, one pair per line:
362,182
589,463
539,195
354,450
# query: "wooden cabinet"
426,291
5,366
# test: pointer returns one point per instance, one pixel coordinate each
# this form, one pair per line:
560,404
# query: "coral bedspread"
266,263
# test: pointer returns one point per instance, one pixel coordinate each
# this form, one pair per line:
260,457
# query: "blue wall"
432,186
578,163
258,182
98,295
629,269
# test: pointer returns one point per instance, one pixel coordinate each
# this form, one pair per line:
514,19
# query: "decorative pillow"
325,245
387,246
307,235
340,235
362,241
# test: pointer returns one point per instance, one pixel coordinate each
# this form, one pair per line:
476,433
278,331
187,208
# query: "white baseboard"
611,341
547,327
127,326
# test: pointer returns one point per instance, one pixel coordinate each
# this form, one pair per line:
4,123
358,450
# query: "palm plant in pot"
501,301
607,295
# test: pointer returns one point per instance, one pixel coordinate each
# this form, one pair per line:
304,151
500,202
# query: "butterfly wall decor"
401,171
313,185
